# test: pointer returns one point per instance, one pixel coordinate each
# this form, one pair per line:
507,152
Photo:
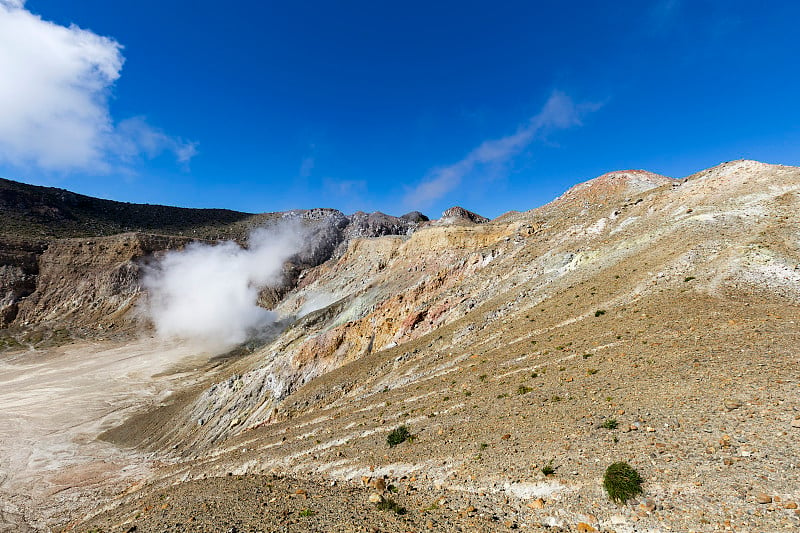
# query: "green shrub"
549,469
609,423
397,436
306,512
522,389
390,505
622,482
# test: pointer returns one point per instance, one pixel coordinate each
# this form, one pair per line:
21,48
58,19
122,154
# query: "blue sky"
267,106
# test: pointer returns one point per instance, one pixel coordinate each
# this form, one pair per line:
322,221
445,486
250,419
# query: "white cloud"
559,112
54,88
134,136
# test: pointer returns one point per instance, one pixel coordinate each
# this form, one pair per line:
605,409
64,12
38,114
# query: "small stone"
618,520
375,498
650,429
727,461
730,405
583,527
796,423
763,498
790,505
506,436
379,484
538,503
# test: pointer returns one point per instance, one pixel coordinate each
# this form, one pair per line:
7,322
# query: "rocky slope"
66,266
636,317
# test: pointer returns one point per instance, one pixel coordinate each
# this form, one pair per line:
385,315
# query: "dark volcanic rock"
459,213
415,216
18,270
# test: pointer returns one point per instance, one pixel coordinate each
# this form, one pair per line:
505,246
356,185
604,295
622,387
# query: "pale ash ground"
54,404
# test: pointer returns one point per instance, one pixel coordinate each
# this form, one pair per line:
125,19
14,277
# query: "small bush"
622,482
522,389
390,505
591,371
398,436
549,469
609,423
306,512
599,312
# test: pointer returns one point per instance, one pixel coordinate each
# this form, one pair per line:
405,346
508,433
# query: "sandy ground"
53,405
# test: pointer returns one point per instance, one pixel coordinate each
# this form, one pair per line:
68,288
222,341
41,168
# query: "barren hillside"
635,318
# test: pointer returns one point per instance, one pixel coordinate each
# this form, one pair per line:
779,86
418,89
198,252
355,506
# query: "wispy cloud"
558,113
134,137
54,92
344,188
306,166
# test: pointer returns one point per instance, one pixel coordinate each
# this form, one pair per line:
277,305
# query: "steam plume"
208,293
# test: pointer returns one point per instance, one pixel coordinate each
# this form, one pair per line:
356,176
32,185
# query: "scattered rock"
618,520
730,405
538,503
763,498
375,498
